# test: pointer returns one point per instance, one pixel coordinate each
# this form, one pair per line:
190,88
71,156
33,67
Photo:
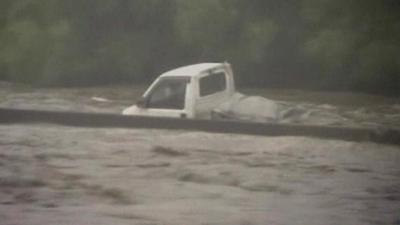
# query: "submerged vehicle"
207,91
201,91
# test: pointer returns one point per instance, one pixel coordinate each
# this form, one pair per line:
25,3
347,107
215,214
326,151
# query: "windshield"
168,94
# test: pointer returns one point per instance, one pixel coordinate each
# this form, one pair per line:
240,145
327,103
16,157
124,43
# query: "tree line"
314,44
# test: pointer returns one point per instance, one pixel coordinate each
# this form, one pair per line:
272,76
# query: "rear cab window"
212,84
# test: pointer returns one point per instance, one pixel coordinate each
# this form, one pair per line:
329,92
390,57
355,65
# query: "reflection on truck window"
168,94
212,84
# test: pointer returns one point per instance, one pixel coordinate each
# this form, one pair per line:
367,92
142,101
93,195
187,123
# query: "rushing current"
51,174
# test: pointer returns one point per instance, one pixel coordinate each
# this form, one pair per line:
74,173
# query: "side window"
212,84
168,94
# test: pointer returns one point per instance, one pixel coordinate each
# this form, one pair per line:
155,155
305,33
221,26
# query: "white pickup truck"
201,91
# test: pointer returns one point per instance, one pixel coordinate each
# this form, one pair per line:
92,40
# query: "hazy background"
309,44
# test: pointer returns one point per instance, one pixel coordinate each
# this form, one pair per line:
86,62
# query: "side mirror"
142,102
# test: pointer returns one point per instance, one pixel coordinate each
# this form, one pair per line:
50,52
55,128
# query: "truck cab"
187,92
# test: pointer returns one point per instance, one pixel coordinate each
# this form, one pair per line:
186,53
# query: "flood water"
338,109
52,174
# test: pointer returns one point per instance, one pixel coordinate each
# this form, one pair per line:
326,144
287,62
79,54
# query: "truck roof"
191,70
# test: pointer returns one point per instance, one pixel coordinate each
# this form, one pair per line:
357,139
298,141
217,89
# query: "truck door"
167,98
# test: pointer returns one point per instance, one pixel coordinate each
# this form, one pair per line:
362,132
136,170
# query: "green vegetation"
317,44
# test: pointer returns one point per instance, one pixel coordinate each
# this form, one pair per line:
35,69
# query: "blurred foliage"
325,44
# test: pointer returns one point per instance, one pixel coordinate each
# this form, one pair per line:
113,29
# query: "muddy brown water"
301,107
52,174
